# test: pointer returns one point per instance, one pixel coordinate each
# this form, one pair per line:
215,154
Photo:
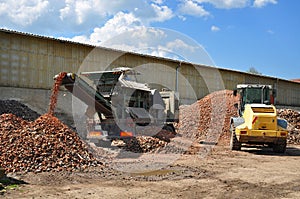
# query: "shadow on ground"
259,150
7,183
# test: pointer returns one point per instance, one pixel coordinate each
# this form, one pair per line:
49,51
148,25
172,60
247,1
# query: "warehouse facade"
30,61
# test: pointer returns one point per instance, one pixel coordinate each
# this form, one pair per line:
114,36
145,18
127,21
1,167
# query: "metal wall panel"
32,61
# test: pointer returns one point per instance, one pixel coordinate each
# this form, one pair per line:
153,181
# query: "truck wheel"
234,143
279,147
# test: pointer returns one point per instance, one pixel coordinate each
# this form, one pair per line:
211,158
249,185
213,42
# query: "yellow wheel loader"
257,123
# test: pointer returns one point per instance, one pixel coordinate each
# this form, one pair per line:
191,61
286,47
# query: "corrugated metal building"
31,61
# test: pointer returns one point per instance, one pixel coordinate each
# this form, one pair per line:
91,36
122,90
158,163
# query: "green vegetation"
253,71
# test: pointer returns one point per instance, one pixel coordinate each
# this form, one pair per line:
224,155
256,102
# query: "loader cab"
254,94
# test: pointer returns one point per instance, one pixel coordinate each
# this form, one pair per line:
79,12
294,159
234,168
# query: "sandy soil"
250,173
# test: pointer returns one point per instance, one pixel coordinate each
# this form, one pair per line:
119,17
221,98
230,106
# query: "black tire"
234,143
169,128
279,147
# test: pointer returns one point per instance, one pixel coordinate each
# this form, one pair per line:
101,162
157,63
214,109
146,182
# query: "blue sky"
236,34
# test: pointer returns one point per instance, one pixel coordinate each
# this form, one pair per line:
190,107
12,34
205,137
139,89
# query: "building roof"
295,80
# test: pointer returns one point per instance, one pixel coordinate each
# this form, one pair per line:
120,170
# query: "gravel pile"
144,144
33,143
209,117
147,144
45,144
18,109
293,119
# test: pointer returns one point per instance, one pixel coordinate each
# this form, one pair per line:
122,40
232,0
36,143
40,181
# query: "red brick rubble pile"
144,144
45,144
149,144
293,119
208,117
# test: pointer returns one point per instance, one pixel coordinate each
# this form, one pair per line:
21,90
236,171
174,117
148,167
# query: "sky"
232,34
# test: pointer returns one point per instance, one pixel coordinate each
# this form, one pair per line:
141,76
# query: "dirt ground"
250,173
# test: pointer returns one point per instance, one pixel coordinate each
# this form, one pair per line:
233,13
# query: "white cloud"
140,39
145,34
98,21
192,8
262,3
96,12
120,23
183,18
82,11
62,17
158,1
226,4
22,12
80,39
75,10
214,29
163,13
178,44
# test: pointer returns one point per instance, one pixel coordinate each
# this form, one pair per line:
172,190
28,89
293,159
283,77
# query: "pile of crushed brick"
293,119
208,118
45,144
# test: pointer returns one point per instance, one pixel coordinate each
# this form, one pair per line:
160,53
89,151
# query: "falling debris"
55,90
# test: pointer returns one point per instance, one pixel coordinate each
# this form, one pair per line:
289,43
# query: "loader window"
253,95
256,95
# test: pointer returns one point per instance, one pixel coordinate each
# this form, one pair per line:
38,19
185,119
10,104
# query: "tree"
253,71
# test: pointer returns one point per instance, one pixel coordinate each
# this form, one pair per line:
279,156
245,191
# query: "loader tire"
234,143
279,147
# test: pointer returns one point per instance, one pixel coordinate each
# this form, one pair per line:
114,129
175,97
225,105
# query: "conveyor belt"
86,93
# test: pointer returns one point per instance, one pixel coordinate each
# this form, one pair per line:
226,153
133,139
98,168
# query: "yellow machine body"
260,125
257,122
